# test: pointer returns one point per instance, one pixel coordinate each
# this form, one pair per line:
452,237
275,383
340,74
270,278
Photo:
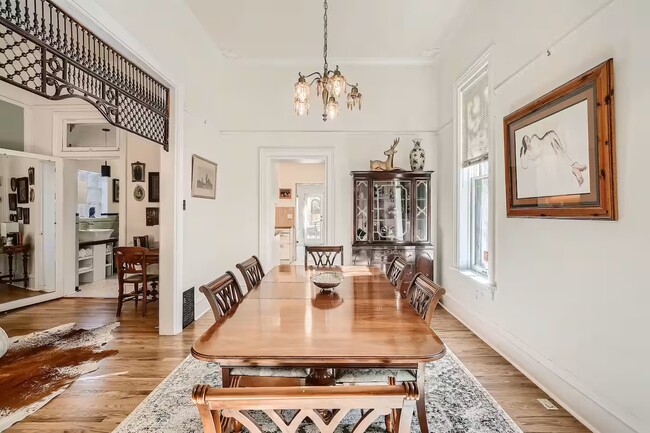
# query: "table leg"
10,258
319,377
25,268
421,403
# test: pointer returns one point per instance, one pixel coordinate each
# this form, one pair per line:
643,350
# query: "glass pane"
313,215
392,210
421,210
475,118
479,224
83,135
361,210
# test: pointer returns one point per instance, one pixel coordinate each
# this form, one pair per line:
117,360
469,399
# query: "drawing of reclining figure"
549,150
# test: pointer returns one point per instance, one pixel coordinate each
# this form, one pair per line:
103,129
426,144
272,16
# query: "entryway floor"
99,289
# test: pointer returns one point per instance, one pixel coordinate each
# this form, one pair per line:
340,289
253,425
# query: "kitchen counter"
112,241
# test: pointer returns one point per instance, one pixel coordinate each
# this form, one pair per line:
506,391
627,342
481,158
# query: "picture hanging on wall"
13,217
154,187
204,178
138,193
116,190
153,216
559,151
19,214
22,186
32,195
285,193
12,183
30,175
25,215
13,201
137,171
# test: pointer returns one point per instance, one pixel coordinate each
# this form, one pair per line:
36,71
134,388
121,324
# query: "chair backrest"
242,403
323,256
424,265
252,271
141,241
130,261
423,295
222,293
396,273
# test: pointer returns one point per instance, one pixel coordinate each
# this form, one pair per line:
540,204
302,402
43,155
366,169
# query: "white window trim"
480,281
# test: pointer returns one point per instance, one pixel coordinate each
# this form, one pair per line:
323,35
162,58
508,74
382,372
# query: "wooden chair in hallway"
217,406
323,256
252,271
131,263
141,241
397,271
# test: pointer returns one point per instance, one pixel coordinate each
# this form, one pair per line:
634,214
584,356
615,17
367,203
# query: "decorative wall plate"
138,193
32,195
13,184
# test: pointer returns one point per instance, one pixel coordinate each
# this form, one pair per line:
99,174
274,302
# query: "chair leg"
390,419
144,299
136,297
120,299
421,403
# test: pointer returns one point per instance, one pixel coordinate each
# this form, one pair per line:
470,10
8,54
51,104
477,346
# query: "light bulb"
301,90
332,108
336,84
301,107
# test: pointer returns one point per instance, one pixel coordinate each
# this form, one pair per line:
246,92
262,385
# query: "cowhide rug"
39,366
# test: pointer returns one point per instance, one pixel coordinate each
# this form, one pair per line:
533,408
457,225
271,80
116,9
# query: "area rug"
456,403
40,366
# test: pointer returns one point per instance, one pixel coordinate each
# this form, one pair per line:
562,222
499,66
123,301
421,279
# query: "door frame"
268,190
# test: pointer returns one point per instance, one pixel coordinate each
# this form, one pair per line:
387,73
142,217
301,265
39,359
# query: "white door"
310,212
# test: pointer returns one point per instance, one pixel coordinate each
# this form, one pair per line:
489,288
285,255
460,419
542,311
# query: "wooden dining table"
285,321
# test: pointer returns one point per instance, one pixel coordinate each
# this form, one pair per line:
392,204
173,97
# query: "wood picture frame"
285,194
26,219
204,178
22,190
19,214
152,216
30,175
560,151
116,190
137,171
13,202
154,187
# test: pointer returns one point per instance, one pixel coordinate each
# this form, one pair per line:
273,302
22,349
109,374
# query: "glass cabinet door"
392,211
421,211
361,210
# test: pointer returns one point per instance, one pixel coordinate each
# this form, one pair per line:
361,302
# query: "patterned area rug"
456,403
39,366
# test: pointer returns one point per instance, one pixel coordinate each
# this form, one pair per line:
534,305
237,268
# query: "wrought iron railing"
45,51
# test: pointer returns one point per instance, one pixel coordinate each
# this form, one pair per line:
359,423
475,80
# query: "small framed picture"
19,214
25,215
30,175
204,178
137,171
116,190
22,186
285,193
13,201
138,193
13,218
153,216
154,187
12,183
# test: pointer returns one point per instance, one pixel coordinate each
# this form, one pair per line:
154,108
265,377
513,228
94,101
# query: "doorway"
310,227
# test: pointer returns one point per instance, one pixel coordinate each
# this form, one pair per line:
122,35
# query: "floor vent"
188,307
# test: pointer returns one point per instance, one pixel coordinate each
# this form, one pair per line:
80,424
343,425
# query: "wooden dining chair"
217,406
424,295
131,266
397,272
141,241
323,256
252,271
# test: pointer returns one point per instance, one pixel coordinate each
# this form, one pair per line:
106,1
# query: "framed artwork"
12,183
22,187
285,193
204,178
19,214
32,195
25,215
138,193
116,190
13,201
154,187
137,171
560,151
13,218
30,175
153,216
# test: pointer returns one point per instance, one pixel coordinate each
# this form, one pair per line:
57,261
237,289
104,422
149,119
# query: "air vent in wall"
188,307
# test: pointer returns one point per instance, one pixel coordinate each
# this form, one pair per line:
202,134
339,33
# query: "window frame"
463,260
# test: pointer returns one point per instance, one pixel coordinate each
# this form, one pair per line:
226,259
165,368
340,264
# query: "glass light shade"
301,107
354,99
336,84
332,108
301,90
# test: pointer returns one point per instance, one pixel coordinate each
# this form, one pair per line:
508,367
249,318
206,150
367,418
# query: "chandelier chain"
326,67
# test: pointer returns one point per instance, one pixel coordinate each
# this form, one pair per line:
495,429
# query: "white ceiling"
290,29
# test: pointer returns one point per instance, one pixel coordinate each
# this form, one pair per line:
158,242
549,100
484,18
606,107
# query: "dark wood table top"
287,322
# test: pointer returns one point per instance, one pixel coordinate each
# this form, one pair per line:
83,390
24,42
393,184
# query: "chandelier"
330,86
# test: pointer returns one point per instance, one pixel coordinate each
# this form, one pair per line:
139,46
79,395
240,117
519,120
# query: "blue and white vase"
416,156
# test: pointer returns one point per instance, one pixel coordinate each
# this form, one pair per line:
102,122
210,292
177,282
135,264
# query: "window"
473,207
92,194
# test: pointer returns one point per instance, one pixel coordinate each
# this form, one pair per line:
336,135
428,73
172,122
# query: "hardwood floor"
10,293
98,404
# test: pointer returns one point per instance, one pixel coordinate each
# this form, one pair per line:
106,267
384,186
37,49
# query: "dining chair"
323,256
424,295
252,271
223,295
217,406
141,241
397,272
131,265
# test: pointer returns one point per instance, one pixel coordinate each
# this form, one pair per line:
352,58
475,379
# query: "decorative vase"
416,156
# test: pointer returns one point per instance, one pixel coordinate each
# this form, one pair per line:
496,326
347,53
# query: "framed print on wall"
22,186
116,190
154,187
13,201
285,193
204,178
137,171
560,151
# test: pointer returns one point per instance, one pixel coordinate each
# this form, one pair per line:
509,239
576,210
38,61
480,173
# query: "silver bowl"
327,280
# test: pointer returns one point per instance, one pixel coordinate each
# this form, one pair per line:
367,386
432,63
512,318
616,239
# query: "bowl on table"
327,280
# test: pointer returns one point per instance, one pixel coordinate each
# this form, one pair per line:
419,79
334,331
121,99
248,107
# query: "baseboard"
586,409
201,307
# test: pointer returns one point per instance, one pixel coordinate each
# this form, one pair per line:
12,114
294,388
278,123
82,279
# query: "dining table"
286,321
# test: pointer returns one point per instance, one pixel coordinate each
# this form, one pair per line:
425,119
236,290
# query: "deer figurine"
376,165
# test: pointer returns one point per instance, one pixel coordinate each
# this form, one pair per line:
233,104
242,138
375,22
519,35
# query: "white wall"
142,150
571,306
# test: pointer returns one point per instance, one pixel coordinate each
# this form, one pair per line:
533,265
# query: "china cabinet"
392,218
